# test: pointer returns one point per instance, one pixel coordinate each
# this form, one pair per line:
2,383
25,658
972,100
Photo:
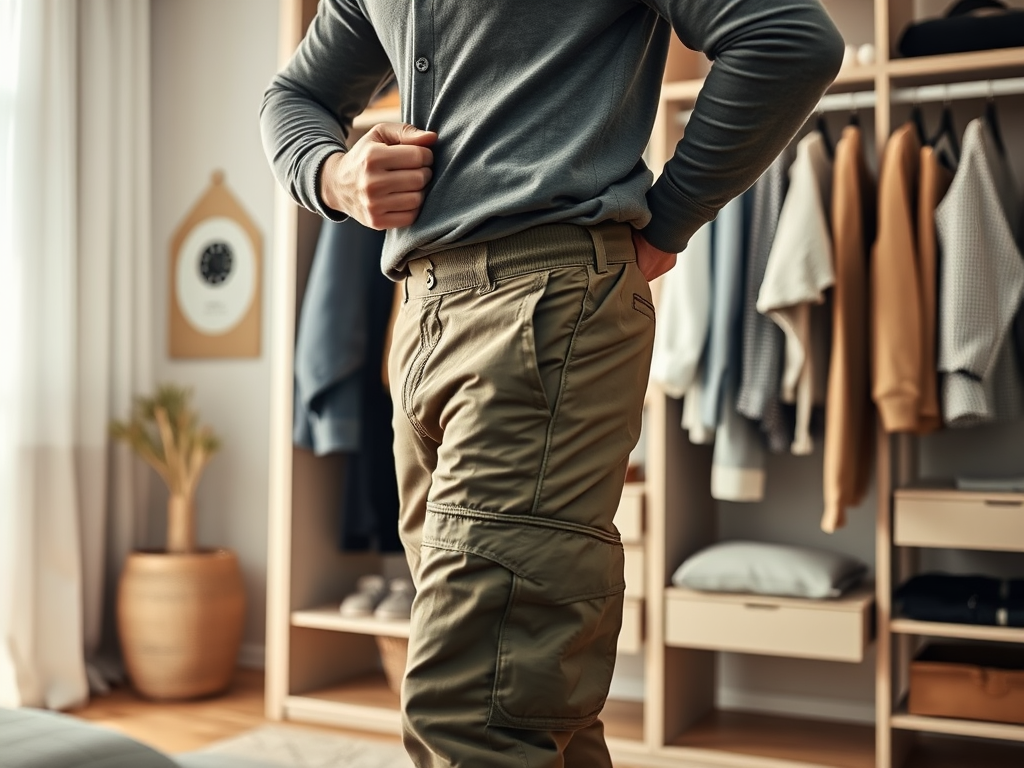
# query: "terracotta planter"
180,618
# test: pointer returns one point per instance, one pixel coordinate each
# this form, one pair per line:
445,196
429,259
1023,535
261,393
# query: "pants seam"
427,347
562,385
533,520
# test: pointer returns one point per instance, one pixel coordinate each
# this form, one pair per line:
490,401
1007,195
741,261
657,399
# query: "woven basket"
180,619
394,653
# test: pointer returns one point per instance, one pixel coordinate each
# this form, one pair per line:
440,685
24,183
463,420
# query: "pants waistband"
547,246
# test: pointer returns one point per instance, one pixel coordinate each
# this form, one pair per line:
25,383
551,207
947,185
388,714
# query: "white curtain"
74,328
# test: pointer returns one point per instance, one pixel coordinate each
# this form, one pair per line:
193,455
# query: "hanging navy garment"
370,513
340,401
331,345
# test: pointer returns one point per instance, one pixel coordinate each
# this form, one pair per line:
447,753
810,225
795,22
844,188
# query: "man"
522,220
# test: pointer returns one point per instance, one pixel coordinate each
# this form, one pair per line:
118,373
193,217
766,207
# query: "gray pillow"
770,569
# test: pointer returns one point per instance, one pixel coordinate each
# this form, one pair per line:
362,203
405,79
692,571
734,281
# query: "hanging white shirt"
684,315
799,271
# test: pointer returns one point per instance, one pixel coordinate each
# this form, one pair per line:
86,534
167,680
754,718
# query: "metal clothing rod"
856,100
977,89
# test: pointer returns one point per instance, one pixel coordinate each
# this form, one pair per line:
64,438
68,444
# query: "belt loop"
405,289
601,256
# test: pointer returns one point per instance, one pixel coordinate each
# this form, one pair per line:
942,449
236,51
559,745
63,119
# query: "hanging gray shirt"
543,108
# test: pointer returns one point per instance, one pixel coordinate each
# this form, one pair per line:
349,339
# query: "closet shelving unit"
682,725
930,516
325,669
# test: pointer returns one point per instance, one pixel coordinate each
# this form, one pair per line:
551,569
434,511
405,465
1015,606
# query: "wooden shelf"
364,702
979,729
958,631
764,740
855,77
957,67
372,116
683,91
624,720
328,617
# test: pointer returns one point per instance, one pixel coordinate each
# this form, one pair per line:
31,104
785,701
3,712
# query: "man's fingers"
402,133
389,205
405,181
401,157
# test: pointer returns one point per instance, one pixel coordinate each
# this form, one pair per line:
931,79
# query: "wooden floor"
190,725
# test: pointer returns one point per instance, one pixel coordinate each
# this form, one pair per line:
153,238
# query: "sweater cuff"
964,401
314,169
899,413
674,217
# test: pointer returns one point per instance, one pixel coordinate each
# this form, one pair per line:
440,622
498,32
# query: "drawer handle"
1003,503
761,606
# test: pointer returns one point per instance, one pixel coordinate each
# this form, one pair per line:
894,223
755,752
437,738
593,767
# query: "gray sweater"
543,108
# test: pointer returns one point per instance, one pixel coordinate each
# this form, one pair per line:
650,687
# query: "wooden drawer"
636,574
959,519
629,517
631,638
835,630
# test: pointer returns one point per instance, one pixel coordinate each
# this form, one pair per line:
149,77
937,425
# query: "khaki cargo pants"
518,370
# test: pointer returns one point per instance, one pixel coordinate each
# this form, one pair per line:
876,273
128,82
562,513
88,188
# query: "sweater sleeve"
309,106
773,59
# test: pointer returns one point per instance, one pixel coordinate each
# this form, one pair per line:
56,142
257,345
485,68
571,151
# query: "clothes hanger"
992,119
854,114
917,117
821,126
947,130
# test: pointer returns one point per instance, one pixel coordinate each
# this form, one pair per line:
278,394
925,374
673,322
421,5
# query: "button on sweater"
543,109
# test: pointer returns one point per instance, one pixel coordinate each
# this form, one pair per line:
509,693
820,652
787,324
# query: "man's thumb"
402,133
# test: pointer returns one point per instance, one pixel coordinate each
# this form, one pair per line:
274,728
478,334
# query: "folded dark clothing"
954,599
971,25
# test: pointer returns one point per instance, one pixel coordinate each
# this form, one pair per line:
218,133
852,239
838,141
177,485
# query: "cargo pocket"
557,641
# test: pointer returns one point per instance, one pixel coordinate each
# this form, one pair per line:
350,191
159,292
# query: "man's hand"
652,262
379,182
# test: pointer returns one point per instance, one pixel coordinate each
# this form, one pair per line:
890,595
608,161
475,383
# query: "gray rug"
300,748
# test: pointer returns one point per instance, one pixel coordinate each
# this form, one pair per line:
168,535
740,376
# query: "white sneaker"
397,606
370,591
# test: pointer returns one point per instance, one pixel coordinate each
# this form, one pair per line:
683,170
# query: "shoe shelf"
329,618
363,703
981,729
958,631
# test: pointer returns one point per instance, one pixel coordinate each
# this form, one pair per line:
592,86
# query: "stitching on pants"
562,386
501,648
532,520
427,347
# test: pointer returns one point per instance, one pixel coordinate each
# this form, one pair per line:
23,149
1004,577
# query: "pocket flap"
559,562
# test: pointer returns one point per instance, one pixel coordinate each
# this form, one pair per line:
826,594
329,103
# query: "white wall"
211,61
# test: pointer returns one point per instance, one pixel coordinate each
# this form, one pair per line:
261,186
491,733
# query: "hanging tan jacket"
848,426
935,179
897,314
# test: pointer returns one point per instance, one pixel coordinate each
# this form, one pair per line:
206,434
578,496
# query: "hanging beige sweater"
897,315
935,180
848,426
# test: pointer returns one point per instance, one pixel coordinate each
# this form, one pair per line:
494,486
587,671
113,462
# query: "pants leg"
516,408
